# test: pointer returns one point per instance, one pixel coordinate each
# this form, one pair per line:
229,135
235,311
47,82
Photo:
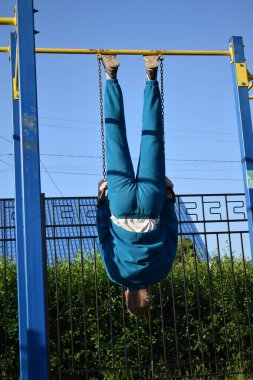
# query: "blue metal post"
37,350
19,224
244,126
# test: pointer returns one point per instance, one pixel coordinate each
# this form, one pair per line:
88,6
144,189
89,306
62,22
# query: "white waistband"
136,225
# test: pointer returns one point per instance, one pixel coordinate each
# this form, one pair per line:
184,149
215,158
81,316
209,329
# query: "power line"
190,160
97,130
208,179
46,171
71,127
136,158
99,174
135,126
5,139
67,168
6,163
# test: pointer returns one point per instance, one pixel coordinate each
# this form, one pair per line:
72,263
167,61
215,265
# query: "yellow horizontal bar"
251,97
4,49
7,20
132,52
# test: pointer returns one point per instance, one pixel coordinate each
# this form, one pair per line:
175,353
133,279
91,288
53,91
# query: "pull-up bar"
8,21
131,52
5,49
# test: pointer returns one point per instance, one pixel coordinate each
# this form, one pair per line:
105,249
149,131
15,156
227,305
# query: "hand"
169,188
102,187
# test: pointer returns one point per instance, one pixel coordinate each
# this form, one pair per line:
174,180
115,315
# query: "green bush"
205,324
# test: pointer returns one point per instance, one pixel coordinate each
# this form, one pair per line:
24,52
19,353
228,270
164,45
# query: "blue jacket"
134,259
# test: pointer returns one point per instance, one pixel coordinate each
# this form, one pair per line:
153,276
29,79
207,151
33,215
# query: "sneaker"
151,63
110,65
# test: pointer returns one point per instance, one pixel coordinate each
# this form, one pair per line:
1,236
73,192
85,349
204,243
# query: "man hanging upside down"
137,224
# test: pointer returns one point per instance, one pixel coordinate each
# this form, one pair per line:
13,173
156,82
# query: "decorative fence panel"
201,320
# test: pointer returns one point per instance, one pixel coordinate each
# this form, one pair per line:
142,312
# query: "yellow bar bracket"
242,75
15,80
231,51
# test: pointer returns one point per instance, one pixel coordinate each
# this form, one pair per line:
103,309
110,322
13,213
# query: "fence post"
44,250
37,349
240,80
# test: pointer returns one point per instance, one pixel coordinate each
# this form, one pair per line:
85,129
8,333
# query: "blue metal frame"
245,131
19,223
31,263
36,326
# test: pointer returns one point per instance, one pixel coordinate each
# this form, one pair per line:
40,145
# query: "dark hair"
138,301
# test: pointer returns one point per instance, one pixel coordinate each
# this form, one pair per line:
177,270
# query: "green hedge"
196,329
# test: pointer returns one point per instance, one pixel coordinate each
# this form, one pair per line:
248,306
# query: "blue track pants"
143,195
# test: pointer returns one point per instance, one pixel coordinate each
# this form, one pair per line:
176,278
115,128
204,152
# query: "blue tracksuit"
136,260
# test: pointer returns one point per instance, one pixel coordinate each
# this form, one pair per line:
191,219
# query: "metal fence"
200,323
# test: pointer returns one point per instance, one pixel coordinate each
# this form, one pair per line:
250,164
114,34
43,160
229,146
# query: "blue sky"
200,116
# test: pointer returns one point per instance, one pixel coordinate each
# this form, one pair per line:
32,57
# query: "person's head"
138,301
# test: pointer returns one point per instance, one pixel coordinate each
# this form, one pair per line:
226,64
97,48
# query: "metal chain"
101,115
162,91
102,108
